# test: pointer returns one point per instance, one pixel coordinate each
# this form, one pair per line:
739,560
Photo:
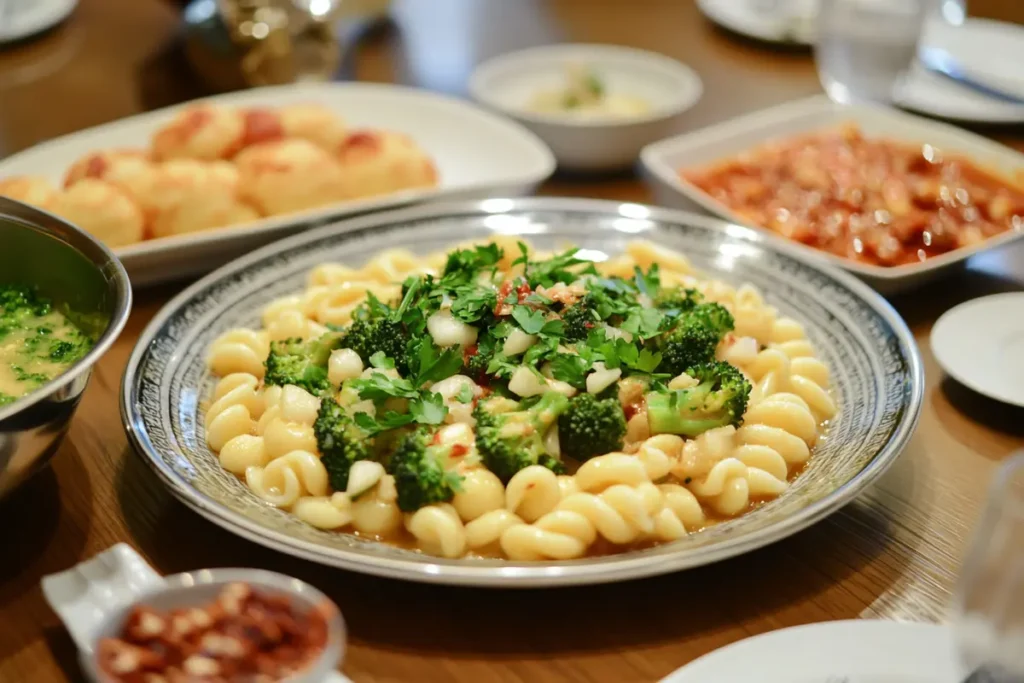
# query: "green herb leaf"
380,387
570,368
431,364
644,322
532,321
381,361
431,410
648,361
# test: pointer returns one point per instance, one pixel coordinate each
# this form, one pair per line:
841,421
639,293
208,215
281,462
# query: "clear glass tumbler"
988,604
865,47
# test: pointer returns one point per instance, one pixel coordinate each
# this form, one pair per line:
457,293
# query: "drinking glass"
865,47
988,604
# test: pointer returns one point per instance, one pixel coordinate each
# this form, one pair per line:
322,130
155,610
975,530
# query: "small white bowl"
508,83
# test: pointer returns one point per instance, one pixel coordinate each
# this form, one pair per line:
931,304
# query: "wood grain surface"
893,554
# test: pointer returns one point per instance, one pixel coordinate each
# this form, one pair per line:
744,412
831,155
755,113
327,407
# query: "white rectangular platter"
662,161
477,154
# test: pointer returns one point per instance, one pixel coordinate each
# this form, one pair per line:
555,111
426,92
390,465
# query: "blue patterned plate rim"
502,573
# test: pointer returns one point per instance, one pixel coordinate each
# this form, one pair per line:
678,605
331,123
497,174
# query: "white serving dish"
662,161
92,597
507,84
477,154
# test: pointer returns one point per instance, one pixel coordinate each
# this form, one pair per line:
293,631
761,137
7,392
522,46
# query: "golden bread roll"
129,169
38,192
188,196
261,125
381,162
201,131
288,175
102,209
313,122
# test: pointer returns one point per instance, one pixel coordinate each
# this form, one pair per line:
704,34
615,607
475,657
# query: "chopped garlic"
518,342
602,378
446,330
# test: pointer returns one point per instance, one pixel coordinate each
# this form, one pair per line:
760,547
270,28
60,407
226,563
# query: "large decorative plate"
877,378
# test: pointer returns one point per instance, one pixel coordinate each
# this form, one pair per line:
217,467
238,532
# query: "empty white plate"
980,344
23,18
991,51
855,651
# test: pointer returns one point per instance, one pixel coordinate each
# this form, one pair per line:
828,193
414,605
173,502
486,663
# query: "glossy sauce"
870,200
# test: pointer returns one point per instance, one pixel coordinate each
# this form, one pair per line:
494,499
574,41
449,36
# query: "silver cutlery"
941,62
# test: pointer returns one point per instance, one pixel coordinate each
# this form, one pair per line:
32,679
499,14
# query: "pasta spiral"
286,479
239,350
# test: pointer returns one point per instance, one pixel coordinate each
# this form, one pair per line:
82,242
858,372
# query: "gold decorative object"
244,43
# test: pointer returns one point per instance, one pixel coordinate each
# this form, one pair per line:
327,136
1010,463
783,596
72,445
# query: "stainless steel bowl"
72,268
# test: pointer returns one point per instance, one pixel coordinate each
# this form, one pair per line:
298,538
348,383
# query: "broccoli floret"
421,471
591,426
719,399
579,319
475,366
677,299
367,336
302,363
714,316
689,343
341,442
510,436
694,338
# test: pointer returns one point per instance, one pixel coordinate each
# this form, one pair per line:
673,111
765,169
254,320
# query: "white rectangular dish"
662,161
477,154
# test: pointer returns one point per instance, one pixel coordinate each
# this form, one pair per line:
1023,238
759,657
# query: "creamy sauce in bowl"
585,95
37,342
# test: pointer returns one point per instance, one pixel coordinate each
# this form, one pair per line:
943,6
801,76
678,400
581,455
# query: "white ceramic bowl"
508,83
93,599
662,161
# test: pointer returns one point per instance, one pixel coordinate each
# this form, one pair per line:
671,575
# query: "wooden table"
894,554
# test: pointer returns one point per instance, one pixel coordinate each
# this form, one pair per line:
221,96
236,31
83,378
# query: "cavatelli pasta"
654,488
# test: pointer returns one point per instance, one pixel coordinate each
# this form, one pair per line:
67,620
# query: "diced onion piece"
363,476
602,378
518,342
525,382
563,388
366,406
344,364
446,330
742,351
683,381
551,443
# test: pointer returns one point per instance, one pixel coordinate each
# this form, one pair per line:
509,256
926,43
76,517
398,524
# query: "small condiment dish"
511,82
95,597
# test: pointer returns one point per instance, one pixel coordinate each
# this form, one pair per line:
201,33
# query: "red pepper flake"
469,352
459,450
523,291
501,308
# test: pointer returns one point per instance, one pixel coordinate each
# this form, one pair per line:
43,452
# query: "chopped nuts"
242,636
